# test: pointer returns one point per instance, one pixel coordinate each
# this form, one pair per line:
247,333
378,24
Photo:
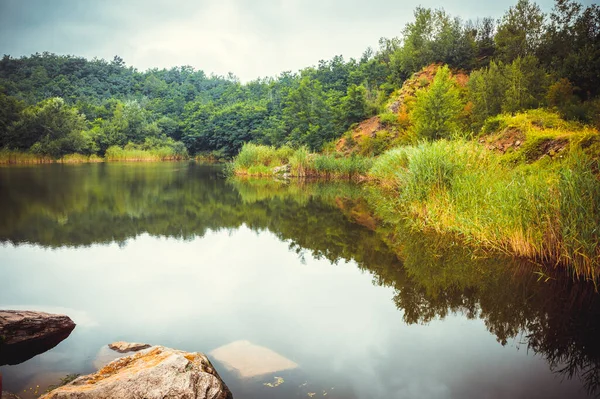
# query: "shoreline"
543,206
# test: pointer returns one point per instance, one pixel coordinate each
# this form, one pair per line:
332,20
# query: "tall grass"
549,214
300,162
18,157
579,190
331,166
80,158
116,153
259,160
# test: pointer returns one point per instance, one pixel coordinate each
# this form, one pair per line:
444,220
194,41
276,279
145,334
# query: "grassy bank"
113,154
263,161
17,157
549,213
138,155
529,186
79,158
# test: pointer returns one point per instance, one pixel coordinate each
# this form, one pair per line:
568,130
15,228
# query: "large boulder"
154,373
24,334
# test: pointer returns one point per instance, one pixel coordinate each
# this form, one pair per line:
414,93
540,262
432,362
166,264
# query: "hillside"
381,132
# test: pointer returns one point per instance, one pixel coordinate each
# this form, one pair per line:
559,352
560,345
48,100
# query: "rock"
24,334
124,347
249,360
518,143
153,373
282,169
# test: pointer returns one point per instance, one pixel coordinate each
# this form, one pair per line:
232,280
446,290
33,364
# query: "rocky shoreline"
149,372
25,334
154,372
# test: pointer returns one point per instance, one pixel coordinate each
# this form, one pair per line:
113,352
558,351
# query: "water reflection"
432,277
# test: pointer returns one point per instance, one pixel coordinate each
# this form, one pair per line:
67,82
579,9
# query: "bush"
253,154
373,146
437,109
388,119
494,124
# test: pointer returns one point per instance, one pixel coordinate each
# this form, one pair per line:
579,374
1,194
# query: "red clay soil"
369,127
418,80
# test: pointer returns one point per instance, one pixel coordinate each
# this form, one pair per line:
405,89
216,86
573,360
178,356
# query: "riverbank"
264,161
529,186
10,157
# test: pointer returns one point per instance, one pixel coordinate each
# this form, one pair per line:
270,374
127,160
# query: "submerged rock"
24,334
249,360
154,373
124,347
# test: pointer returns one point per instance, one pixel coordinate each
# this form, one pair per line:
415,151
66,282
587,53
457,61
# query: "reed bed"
537,211
80,158
19,157
262,161
115,153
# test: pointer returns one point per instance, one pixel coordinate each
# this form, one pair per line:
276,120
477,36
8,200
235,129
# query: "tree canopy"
55,104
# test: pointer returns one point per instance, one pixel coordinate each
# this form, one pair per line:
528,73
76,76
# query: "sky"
250,38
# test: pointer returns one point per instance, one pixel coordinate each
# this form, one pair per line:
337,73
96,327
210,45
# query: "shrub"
388,119
437,109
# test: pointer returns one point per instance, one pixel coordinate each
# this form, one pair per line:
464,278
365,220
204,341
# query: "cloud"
251,39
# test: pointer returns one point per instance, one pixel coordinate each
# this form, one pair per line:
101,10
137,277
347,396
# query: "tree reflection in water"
433,276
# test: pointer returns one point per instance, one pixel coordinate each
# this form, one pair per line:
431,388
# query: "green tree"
483,31
437,108
354,104
51,128
571,45
434,36
308,116
520,31
526,85
487,88
416,50
10,108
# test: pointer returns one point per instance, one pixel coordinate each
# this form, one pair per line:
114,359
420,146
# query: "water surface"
174,254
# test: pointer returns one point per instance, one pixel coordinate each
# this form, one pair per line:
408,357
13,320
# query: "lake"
175,254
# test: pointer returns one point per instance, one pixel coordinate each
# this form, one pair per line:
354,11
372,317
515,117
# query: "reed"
258,160
116,153
19,157
80,158
546,213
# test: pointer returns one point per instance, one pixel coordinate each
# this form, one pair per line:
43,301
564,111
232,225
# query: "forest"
53,106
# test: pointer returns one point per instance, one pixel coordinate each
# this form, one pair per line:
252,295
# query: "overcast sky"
251,38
